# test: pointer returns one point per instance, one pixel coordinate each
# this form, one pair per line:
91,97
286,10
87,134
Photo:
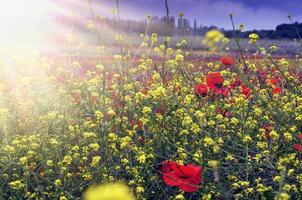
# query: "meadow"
122,117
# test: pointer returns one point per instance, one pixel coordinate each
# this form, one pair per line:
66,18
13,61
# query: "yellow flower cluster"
111,191
253,38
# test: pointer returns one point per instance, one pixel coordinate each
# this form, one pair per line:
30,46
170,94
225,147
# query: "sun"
16,14
23,28
22,21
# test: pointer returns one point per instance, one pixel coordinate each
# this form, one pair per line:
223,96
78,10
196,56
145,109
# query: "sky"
254,14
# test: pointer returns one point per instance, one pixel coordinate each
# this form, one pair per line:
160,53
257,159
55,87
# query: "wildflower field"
157,121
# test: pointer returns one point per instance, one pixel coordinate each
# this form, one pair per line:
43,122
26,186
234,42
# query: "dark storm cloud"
255,14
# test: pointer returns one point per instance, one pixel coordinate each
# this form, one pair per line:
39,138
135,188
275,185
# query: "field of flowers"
153,123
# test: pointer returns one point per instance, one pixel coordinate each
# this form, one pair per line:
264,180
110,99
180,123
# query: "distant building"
180,23
186,23
195,27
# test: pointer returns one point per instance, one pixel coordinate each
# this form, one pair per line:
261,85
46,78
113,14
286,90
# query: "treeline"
282,31
161,26
181,26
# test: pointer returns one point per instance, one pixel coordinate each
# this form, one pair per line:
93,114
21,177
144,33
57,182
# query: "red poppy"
274,81
235,84
214,80
223,91
142,140
267,129
297,147
227,60
187,178
277,90
201,90
215,83
267,135
159,110
300,136
223,112
136,123
245,90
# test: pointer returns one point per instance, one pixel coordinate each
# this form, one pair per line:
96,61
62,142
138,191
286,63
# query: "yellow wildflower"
111,191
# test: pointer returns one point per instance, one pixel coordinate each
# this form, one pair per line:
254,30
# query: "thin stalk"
100,52
165,42
237,44
295,27
167,9
118,11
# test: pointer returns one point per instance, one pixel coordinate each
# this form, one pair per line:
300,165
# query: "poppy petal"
297,147
171,179
227,60
190,170
189,187
175,166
